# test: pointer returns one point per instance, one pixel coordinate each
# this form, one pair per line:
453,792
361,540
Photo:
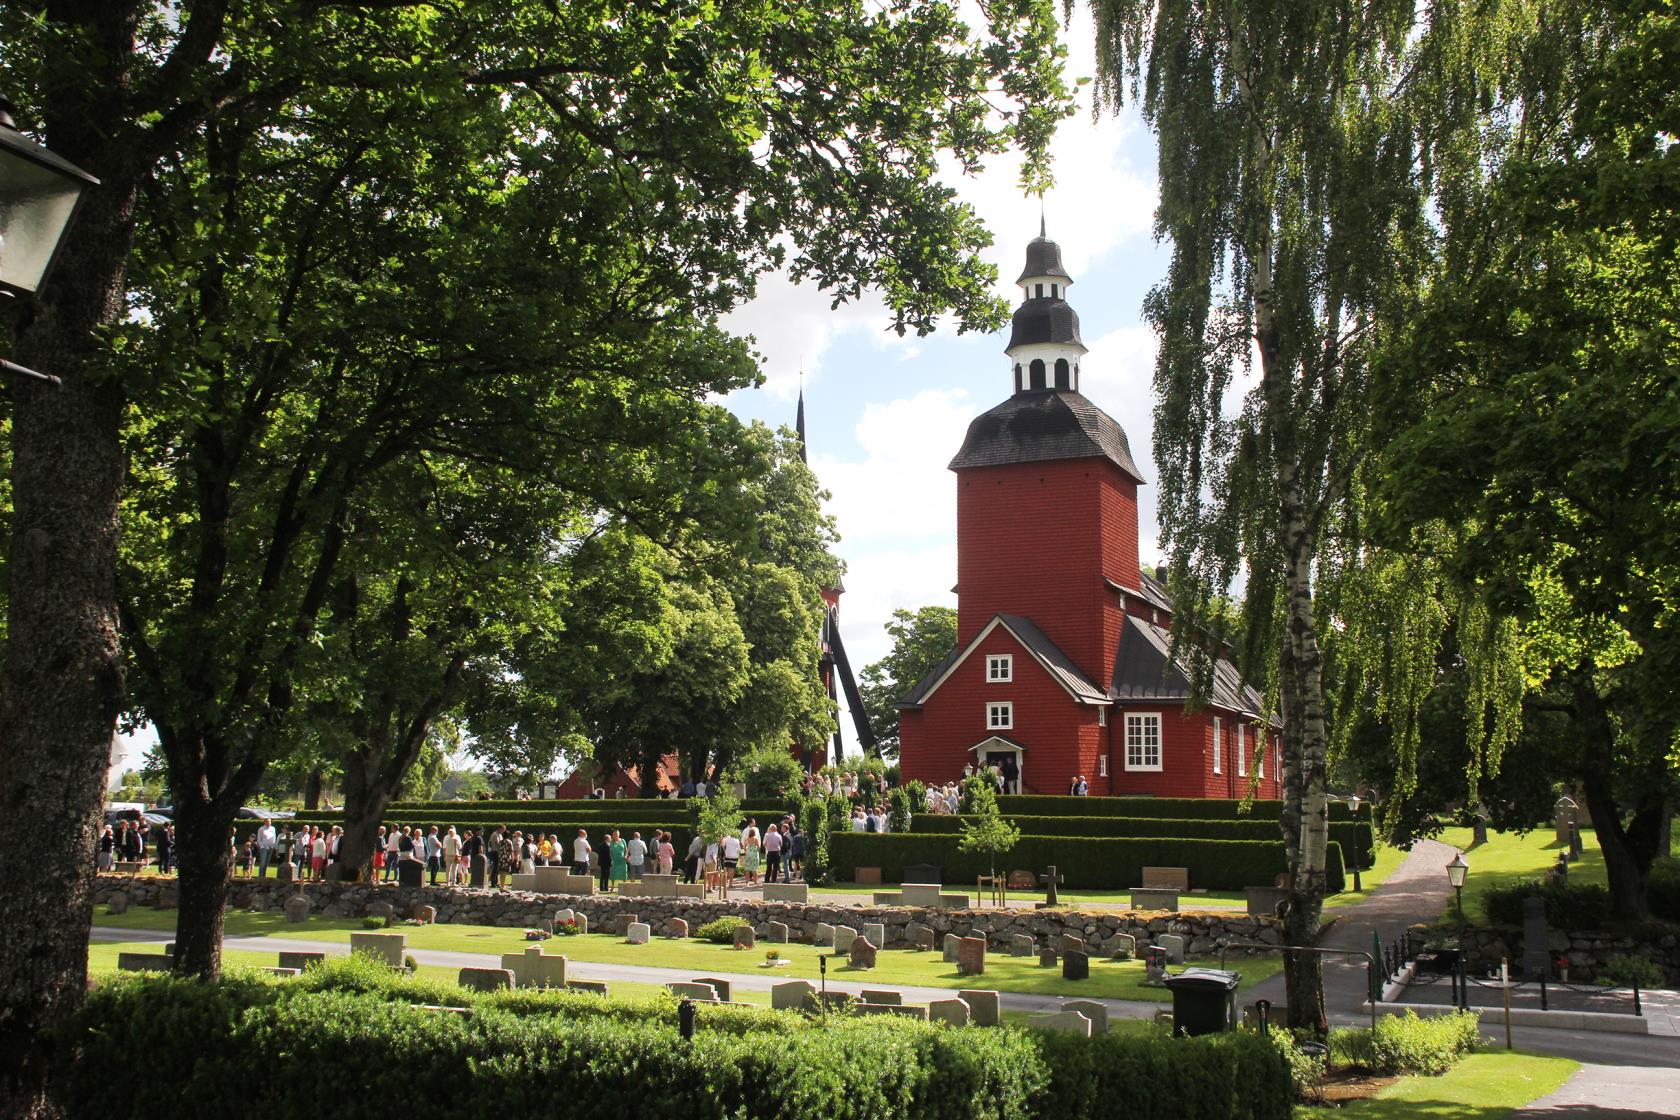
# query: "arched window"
1036,372
1062,381
1018,385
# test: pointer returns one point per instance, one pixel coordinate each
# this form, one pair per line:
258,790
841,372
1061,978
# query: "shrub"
813,822
1306,1071
1088,862
1402,1044
899,814
1133,1077
373,923
1624,971
1663,891
1207,808
721,931
1568,905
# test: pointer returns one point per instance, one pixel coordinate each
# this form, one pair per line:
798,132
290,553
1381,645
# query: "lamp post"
1358,861
1457,870
39,195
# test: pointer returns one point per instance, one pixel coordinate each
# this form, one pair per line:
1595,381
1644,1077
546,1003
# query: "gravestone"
284,973
787,892
623,922
301,961
745,937
920,936
425,915
1022,880
971,956
823,938
1022,945
1537,955
1069,943
952,1012
877,934
984,1006
478,869
1154,965
867,876
843,938
1121,947
575,917
536,969
980,933
1047,958
285,872
923,873
794,995
563,916
410,873
595,987
387,948
1564,820
881,997
777,934
863,953
1092,1010
1070,1021
484,979
640,933
144,962
545,925
1576,849
951,942
1263,902
893,1009
693,990
1051,880
1174,945
718,983
1143,899
297,909
1076,965
675,927
1167,879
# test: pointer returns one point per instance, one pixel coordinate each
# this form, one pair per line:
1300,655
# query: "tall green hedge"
564,827
1179,808
347,1040
1353,836
1095,863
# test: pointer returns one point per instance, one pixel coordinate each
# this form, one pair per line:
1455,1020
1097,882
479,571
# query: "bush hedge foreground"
348,1040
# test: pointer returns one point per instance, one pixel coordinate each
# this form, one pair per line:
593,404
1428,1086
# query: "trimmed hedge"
563,827
1179,808
1568,905
1091,862
1351,835
350,1039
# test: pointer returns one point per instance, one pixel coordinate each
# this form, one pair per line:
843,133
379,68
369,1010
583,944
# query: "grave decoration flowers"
536,935
567,928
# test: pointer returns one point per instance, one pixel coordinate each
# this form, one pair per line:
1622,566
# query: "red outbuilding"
1063,664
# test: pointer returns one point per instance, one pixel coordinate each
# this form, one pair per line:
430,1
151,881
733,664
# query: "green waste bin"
1204,1000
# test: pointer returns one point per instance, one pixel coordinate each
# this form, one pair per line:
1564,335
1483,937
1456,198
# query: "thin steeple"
799,419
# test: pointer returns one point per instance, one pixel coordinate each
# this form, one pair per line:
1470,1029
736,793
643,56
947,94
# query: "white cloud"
1117,375
900,489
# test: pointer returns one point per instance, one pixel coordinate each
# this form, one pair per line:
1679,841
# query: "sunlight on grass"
1481,1087
1508,858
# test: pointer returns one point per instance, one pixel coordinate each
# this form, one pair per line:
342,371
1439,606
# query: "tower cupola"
1044,345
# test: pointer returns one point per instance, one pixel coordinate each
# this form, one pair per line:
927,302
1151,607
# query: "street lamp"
39,195
1457,870
1353,807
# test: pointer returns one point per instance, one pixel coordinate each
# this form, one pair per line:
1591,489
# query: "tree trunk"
206,861
1629,849
312,789
62,683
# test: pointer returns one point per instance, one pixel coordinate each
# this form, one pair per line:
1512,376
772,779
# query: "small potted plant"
1562,963
567,928
773,959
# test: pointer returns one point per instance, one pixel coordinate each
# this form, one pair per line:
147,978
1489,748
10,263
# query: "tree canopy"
921,639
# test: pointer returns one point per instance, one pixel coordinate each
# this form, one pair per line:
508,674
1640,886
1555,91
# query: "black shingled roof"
1142,671
1044,258
1044,320
1039,427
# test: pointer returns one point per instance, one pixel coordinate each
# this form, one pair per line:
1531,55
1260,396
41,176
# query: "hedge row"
343,1041
564,828
1352,836
1090,862
649,806
1178,808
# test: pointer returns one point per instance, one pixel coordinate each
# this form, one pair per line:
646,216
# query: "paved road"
1610,1092
761,981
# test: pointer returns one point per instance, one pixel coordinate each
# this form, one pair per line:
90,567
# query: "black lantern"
39,195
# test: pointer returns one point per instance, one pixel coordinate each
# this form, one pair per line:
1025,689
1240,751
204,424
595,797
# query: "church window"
1218,746
1143,740
1242,751
1053,292
1038,291
1000,667
1036,372
1102,766
1062,381
1000,716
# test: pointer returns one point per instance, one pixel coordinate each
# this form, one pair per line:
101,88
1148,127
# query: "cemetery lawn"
1109,979
1507,858
1481,1087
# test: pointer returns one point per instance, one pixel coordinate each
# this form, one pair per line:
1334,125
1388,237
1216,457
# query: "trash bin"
1204,1000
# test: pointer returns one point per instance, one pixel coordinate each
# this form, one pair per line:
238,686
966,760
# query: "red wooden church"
1062,666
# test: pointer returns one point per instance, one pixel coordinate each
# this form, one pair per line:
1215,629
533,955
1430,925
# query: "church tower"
1062,668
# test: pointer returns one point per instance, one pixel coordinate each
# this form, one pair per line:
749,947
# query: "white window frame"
1141,721
1000,715
1102,766
1218,745
1242,750
1000,668
1260,754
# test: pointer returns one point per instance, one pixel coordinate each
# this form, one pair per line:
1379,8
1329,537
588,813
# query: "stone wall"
1201,930
1588,951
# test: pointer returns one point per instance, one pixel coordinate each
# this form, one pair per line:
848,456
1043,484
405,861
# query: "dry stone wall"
1201,930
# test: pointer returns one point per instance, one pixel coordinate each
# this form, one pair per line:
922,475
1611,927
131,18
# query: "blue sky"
884,415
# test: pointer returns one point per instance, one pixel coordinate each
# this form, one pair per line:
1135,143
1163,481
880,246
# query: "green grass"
1481,1087
1507,858
1109,979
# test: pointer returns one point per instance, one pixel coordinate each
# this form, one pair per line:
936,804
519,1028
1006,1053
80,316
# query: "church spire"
1044,345
799,419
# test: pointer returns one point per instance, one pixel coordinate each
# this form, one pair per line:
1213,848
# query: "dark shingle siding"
1038,427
